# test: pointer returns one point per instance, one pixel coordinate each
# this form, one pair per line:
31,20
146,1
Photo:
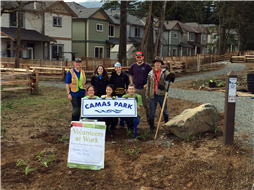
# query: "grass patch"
50,105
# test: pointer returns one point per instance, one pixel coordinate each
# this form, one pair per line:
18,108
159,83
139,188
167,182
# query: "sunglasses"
139,54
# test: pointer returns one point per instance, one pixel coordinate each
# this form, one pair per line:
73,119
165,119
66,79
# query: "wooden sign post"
229,110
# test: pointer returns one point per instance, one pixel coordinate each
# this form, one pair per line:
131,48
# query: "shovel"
201,86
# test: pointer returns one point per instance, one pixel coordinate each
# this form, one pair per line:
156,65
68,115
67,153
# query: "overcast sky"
78,1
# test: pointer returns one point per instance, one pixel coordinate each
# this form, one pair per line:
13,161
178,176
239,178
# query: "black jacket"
120,82
100,85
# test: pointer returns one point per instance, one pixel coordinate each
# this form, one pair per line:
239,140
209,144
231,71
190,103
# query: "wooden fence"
57,69
247,56
19,77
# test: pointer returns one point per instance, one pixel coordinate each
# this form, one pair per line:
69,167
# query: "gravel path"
244,105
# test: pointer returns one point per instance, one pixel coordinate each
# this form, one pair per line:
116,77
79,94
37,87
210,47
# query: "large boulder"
193,121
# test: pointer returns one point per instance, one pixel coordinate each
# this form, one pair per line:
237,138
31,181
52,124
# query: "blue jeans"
153,105
76,106
131,122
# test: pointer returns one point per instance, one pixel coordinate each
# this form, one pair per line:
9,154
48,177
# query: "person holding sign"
111,122
131,94
100,80
75,86
120,80
91,91
157,83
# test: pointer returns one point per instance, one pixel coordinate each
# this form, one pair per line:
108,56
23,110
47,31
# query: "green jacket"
150,84
138,99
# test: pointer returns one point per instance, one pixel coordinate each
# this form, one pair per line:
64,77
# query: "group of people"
148,86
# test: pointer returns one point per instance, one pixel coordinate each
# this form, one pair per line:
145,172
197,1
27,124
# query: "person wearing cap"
157,83
120,80
138,76
75,86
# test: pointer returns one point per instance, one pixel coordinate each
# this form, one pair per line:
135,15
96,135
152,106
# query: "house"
91,31
172,36
213,39
195,35
46,31
134,34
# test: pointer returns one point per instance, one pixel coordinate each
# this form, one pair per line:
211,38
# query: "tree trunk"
160,30
18,39
148,26
123,37
150,44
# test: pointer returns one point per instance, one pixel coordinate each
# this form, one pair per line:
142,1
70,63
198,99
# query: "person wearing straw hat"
157,82
75,86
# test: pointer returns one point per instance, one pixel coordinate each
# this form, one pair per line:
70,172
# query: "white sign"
120,107
87,147
232,89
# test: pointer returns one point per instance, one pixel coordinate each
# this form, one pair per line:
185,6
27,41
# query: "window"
14,19
204,37
55,49
175,35
137,32
174,52
111,31
98,52
57,21
99,27
192,37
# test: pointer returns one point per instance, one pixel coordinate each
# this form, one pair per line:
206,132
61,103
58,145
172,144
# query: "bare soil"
33,125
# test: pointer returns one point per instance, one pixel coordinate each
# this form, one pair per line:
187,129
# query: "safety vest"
76,83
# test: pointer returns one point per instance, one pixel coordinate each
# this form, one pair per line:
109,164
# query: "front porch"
34,45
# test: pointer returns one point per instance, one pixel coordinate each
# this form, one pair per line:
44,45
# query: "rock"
193,121
70,172
160,157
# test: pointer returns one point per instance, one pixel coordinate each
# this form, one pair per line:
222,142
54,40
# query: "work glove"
170,77
103,97
126,97
113,97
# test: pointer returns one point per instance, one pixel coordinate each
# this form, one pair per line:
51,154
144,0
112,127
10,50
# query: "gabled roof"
170,24
197,27
84,12
39,5
131,20
31,35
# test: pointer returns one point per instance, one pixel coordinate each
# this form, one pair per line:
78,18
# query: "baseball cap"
116,64
78,59
139,54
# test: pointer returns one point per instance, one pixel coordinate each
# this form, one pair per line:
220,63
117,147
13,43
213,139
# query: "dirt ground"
201,162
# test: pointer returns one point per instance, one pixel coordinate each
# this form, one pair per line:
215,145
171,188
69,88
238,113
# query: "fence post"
244,58
229,110
36,82
104,62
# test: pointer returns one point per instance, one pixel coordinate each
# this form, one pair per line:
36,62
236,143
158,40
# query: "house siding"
5,20
33,21
65,31
79,30
79,48
96,35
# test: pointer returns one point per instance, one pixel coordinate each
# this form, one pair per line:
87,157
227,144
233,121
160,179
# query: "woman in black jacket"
100,80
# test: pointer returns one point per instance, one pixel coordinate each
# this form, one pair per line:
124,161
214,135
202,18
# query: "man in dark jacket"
120,80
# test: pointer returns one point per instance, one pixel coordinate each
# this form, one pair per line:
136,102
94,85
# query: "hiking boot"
166,119
151,126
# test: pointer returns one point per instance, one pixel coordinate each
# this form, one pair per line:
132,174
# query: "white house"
46,29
